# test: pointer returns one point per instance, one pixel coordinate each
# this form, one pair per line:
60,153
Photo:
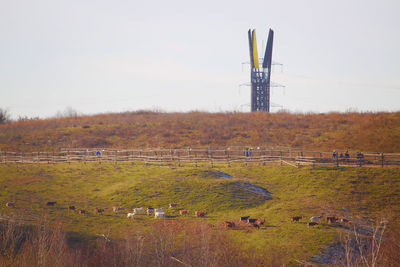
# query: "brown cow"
98,211
296,218
228,224
260,222
344,220
183,212
331,219
82,212
200,213
256,222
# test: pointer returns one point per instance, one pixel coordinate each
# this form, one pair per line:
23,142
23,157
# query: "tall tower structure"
260,76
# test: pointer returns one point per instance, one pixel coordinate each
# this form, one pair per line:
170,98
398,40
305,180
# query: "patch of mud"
248,186
220,174
257,190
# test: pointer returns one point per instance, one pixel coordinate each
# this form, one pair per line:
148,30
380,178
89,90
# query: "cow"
137,210
244,219
159,214
312,224
228,224
200,213
344,220
315,219
150,210
256,222
251,220
159,210
183,212
82,212
130,215
331,219
296,218
173,205
98,211
71,208
10,204
50,203
116,208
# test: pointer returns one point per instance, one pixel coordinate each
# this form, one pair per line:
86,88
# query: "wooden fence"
228,155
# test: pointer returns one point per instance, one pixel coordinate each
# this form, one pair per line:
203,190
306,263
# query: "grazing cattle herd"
315,220
240,223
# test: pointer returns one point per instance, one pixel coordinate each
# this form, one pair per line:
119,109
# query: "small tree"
4,116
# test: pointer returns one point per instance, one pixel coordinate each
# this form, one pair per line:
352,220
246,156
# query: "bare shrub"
362,245
5,116
167,243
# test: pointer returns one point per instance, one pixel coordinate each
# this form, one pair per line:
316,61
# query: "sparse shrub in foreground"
168,243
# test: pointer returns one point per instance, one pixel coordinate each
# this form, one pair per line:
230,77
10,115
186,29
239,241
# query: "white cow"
130,215
315,219
159,214
137,210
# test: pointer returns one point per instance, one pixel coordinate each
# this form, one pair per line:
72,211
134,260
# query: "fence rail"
198,155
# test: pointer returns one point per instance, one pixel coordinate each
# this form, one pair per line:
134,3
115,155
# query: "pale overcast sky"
110,56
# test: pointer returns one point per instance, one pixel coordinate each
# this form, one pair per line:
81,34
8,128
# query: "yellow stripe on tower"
255,53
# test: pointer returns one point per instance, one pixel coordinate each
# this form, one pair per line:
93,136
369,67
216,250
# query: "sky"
98,56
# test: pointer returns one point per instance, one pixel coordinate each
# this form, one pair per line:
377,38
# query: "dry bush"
391,244
167,243
371,244
38,245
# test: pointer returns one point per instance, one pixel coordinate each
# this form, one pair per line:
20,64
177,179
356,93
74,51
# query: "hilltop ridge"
378,132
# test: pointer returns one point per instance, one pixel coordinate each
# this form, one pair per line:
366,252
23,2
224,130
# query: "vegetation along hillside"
377,132
363,196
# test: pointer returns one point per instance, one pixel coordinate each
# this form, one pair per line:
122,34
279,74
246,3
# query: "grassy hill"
377,132
364,192
364,195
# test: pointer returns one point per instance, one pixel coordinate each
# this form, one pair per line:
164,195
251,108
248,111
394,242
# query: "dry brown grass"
168,243
357,131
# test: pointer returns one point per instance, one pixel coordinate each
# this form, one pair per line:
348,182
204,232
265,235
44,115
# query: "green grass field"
369,192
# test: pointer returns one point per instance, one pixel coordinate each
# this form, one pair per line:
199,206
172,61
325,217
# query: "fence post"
382,159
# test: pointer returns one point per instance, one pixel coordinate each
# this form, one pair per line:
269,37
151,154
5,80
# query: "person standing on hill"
347,156
334,155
